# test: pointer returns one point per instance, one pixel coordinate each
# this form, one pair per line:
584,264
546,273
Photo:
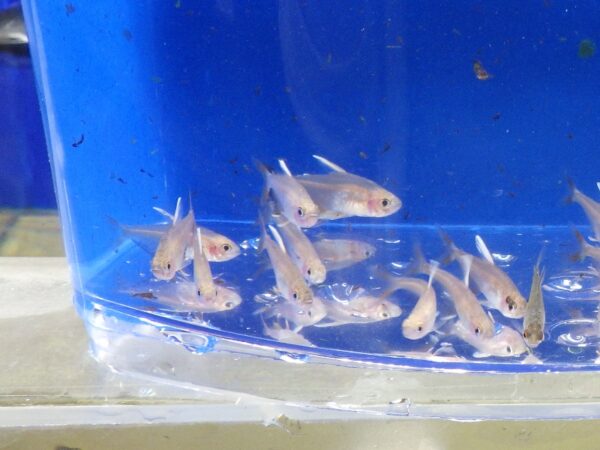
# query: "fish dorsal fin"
162,212
328,163
277,237
434,268
285,167
483,249
177,214
468,262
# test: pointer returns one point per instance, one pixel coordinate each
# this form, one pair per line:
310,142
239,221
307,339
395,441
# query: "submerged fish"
301,250
535,316
339,254
341,194
169,257
300,315
289,281
362,308
421,320
506,343
205,286
468,308
291,197
586,250
183,295
286,334
499,290
590,207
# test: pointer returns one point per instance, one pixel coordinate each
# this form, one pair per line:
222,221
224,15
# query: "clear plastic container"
474,114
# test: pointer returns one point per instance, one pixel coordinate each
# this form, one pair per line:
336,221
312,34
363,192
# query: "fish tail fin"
573,191
263,233
419,263
328,164
452,251
434,268
265,172
378,271
581,254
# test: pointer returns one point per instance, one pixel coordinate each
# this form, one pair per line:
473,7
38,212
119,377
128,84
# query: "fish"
289,281
337,254
183,295
480,72
469,310
421,321
586,250
169,257
363,308
535,315
217,247
507,342
499,290
340,194
291,197
300,249
286,334
300,315
590,207
205,285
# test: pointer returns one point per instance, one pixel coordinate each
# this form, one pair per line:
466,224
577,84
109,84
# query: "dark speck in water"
69,8
155,197
147,173
386,147
78,142
127,34
587,48
146,295
363,155
570,136
257,91
496,116
121,180
512,194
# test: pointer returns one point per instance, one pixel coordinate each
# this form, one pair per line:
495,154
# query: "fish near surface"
169,257
586,250
340,194
468,308
535,315
499,290
363,308
183,295
285,334
289,281
205,285
590,207
291,197
421,320
506,343
300,315
337,254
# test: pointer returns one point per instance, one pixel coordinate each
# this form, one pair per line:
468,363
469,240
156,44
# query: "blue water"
143,105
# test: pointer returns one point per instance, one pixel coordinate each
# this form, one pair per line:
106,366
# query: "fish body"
586,250
506,343
285,334
421,320
535,315
340,194
499,290
291,197
205,286
183,295
301,250
289,281
361,309
468,308
170,256
339,254
590,207
300,315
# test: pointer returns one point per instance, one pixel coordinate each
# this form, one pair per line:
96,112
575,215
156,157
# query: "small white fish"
300,315
421,320
586,250
339,254
468,308
289,281
301,250
183,295
535,315
169,257
205,286
590,207
363,308
341,194
285,334
291,197
499,290
505,343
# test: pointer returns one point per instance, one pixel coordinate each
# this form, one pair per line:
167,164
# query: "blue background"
177,96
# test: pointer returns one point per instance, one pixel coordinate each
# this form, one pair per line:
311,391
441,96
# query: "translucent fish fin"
162,212
483,249
491,317
284,167
277,237
198,239
598,185
177,214
418,264
570,198
331,324
452,251
468,262
328,163
480,355
434,268
581,254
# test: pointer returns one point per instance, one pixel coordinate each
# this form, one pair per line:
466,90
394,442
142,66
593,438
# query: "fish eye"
229,305
295,295
309,312
477,331
385,203
168,266
226,247
300,211
367,253
525,334
385,315
419,328
508,349
308,271
199,293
